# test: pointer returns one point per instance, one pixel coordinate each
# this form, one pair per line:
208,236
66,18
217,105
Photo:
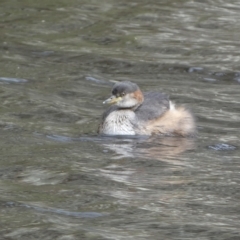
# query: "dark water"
58,179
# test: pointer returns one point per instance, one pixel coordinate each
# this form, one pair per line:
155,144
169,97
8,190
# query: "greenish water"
59,179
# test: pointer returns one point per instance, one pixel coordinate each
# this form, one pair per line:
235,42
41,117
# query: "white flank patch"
172,106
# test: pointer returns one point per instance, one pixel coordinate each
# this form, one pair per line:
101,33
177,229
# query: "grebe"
136,113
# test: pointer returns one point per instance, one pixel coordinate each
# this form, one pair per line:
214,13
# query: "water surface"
59,179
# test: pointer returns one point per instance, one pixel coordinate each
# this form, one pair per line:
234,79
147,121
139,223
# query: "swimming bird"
135,113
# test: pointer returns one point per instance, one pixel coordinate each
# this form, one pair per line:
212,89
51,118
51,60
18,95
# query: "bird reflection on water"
132,159
156,148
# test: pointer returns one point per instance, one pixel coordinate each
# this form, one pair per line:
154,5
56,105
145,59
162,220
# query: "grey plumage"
124,87
153,106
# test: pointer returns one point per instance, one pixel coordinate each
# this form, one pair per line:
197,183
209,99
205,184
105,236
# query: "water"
59,179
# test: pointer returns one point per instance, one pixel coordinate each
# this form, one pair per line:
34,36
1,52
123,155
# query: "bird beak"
113,99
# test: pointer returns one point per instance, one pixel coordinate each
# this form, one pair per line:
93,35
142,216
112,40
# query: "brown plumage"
177,121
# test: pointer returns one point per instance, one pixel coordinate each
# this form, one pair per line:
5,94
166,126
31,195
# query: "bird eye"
123,94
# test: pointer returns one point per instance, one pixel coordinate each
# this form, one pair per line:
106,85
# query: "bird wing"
153,106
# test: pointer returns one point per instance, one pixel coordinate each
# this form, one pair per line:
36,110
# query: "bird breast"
120,122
